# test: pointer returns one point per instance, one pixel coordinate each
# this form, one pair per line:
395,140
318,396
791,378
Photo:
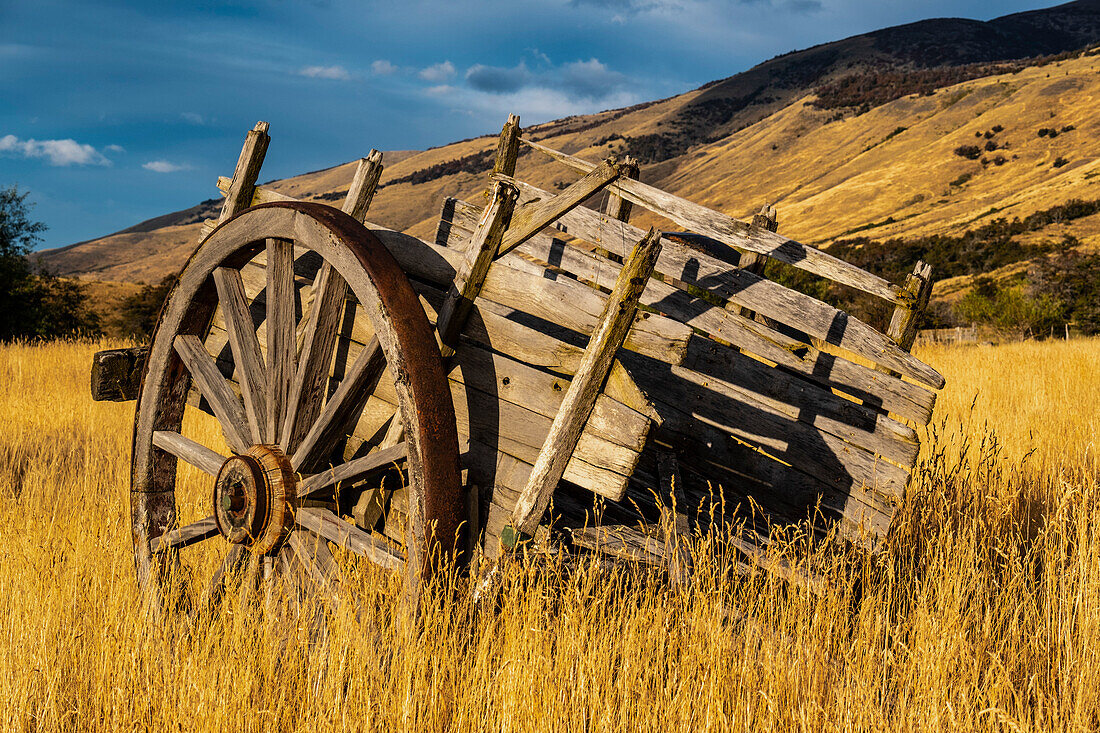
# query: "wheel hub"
255,495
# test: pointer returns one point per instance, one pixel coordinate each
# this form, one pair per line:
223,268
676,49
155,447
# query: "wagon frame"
535,354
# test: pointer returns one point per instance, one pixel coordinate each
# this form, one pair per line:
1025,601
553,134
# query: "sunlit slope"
829,177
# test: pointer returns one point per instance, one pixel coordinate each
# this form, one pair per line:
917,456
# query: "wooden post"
480,253
906,318
754,262
363,186
565,431
242,186
508,147
617,207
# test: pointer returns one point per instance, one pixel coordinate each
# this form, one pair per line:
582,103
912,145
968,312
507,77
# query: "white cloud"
58,152
382,67
193,117
115,149
164,166
438,72
532,103
337,73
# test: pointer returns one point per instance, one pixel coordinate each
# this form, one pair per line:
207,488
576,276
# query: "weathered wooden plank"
363,185
353,470
777,391
751,261
737,234
116,373
246,350
196,454
344,534
215,389
580,398
747,290
281,341
185,536
536,215
478,258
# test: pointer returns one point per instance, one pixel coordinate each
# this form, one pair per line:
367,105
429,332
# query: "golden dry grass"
982,612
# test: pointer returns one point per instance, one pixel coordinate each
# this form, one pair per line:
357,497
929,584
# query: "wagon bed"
661,371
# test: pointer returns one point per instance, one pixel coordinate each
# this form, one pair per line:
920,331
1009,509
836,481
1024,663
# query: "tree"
138,313
33,302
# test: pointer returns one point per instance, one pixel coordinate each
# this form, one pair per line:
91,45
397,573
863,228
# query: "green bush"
1011,308
35,304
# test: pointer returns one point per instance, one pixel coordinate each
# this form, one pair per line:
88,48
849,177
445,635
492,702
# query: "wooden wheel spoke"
184,536
342,408
229,565
281,342
198,455
246,350
308,391
316,561
353,470
344,534
214,387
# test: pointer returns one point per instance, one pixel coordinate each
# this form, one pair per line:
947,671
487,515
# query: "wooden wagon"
402,398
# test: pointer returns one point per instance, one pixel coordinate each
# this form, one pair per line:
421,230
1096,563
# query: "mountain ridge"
886,170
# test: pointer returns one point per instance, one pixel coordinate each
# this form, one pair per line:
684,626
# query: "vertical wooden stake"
753,261
508,147
617,207
363,186
565,431
242,187
471,275
906,318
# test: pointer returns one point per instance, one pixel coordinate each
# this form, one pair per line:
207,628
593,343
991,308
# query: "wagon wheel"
275,497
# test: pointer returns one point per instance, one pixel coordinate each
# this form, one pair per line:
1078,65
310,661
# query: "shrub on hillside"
970,152
138,313
1013,308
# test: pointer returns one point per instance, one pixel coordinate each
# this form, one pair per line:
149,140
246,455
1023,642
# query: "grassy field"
982,612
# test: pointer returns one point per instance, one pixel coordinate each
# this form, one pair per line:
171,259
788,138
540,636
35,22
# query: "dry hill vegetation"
982,612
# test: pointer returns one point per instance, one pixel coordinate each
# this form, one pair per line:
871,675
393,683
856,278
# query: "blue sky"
114,111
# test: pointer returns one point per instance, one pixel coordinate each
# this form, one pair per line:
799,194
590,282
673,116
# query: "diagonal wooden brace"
565,432
471,274
535,216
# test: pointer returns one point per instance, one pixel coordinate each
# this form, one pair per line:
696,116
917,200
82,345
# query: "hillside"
878,167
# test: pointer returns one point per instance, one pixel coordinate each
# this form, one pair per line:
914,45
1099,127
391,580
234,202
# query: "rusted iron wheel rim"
403,337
